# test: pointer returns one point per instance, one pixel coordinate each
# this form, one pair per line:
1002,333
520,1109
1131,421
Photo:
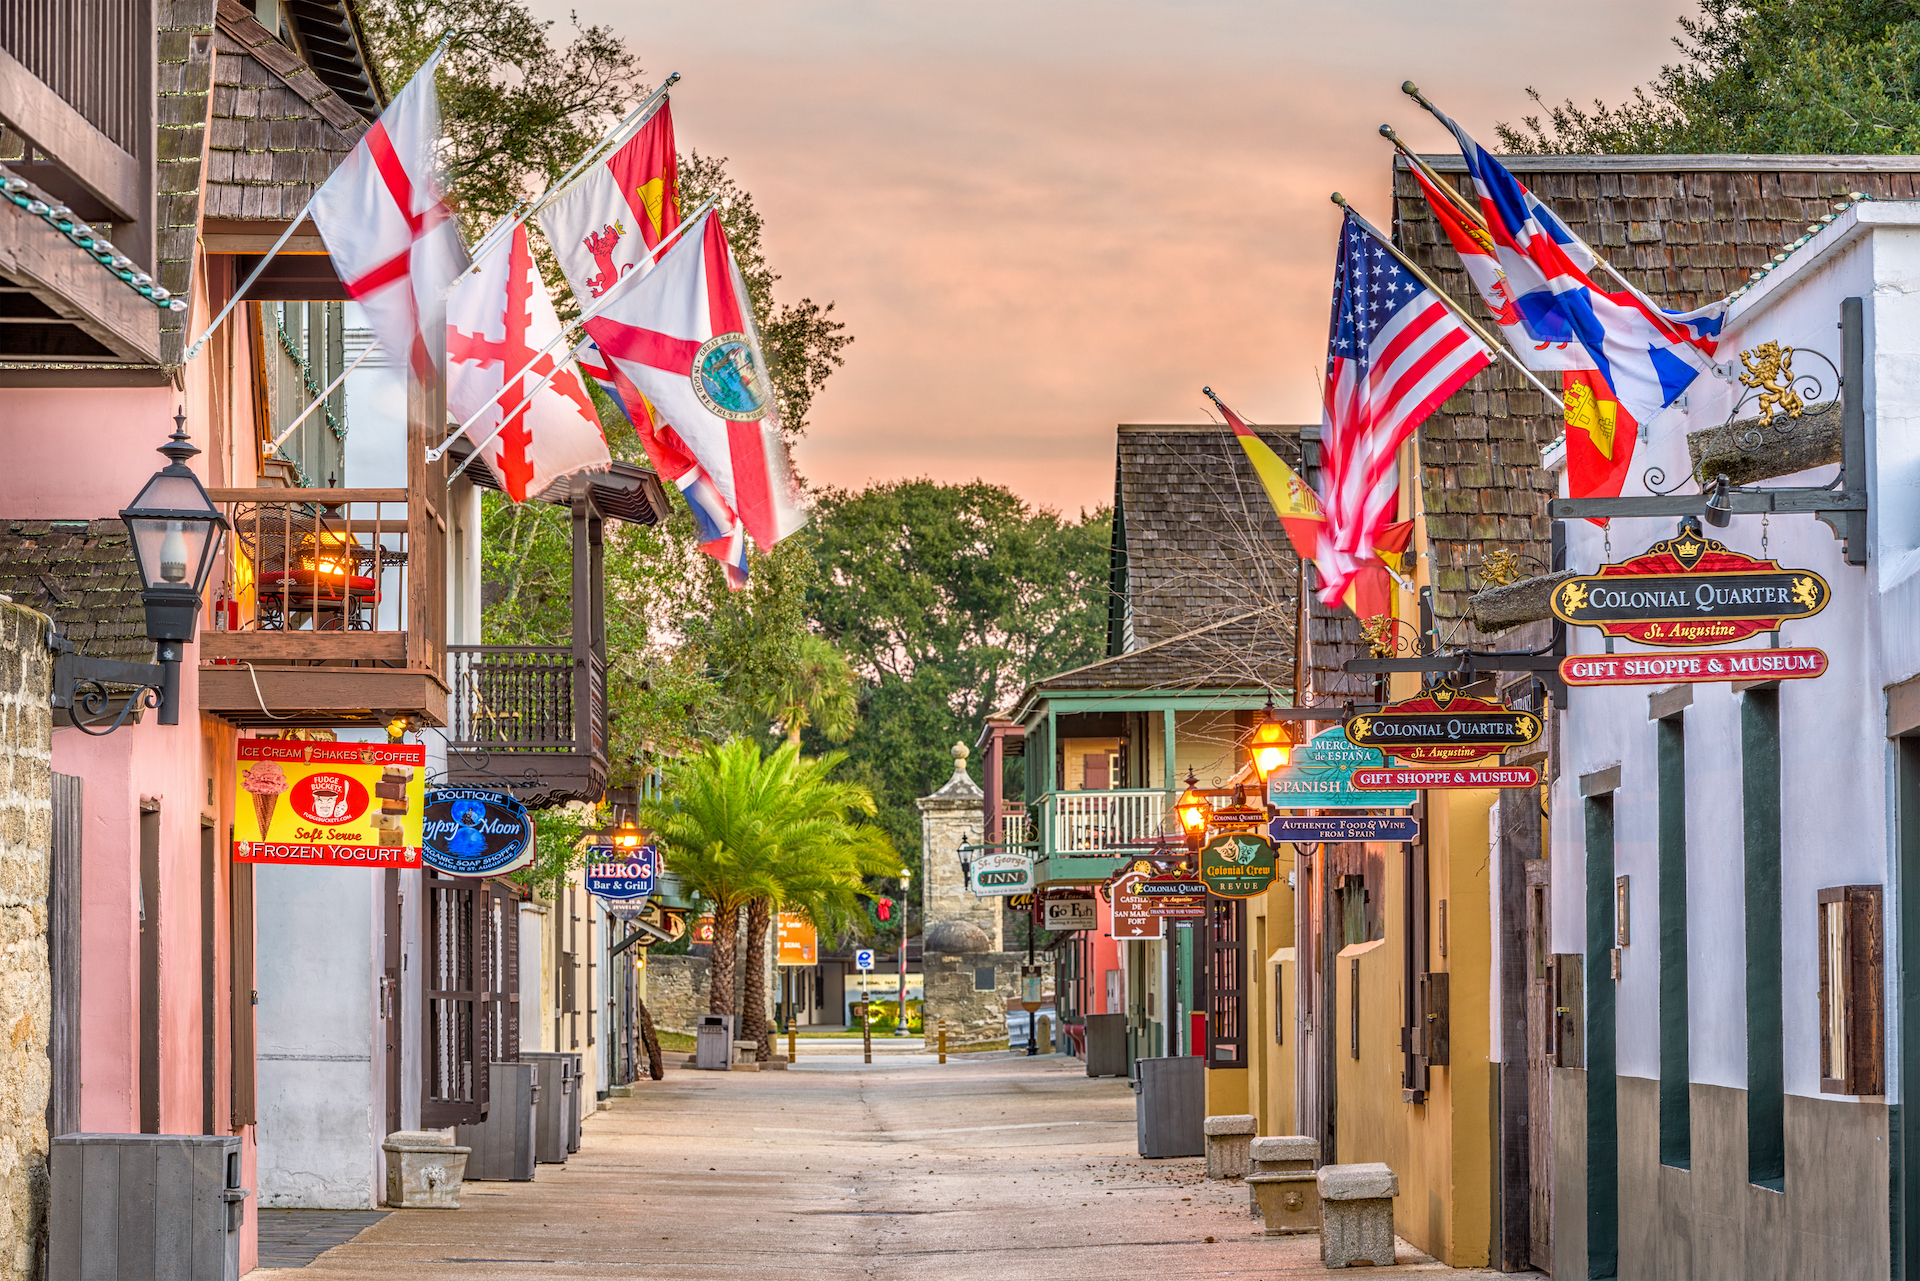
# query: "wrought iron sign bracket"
1842,507
80,685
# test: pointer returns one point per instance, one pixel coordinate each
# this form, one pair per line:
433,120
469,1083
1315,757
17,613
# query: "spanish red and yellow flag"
1600,436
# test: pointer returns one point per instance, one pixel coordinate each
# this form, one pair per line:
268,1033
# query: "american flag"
1395,352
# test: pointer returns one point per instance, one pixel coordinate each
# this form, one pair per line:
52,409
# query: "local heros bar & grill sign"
328,804
473,832
621,874
1442,726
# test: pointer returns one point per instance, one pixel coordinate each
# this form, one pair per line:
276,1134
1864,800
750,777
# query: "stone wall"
26,984
947,818
676,993
976,1020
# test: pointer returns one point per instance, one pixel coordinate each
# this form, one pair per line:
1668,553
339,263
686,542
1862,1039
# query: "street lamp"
627,836
1194,811
1272,744
176,533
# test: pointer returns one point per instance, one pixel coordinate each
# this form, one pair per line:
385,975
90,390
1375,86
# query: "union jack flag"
1396,351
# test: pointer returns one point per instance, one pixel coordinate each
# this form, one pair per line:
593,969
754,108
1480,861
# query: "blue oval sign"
621,874
468,831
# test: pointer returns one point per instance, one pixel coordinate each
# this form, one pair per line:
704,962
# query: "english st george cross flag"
498,316
601,228
393,241
1395,351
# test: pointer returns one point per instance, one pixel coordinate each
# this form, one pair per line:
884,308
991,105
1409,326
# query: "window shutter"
456,1031
509,907
1852,949
1224,977
241,993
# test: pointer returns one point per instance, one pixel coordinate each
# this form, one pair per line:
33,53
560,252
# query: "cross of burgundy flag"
498,316
392,239
1394,353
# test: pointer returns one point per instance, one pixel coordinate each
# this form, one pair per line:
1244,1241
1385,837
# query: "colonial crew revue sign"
1690,591
1237,865
328,804
1442,726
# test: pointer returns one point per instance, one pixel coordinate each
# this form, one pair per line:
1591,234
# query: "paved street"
987,1168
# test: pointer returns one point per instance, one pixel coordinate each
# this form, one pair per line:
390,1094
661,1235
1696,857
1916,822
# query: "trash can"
503,1144
1106,1045
576,1103
551,1112
127,1206
1171,1112
713,1043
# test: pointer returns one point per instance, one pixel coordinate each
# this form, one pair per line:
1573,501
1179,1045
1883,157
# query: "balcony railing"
529,717
1108,823
1013,822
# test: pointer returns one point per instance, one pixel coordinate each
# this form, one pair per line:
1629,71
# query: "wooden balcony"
528,718
340,597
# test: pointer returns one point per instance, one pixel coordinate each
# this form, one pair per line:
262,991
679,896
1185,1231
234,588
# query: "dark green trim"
1760,837
1905,1126
1676,1110
1603,1126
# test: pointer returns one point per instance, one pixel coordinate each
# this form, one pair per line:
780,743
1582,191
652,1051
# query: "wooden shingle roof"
1686,229
276,129
82,573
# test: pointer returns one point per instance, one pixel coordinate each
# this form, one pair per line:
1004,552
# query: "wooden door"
1540,1046
456,1031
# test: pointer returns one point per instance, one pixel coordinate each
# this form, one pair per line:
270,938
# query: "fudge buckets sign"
473,832
328,804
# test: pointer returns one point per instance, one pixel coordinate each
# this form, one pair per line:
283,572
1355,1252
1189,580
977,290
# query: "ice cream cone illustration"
264,782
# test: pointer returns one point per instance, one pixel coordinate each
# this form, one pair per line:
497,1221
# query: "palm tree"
743,830
816,690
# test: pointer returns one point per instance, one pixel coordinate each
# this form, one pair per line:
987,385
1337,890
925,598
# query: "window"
1852,1027
1227,956
983,980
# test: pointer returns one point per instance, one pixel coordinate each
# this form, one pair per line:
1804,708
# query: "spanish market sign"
1320,777
474,832
1345,827
1694,668
1237,865
1510,776
1690,590
1179,897
1071,910
328,804
1442,726
621,874
1133,916
1000,875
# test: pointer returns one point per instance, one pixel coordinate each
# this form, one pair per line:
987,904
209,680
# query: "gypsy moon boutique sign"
1320,777
1442,726
328,804
621,874
1695,668
473,832
1001,875
1689,590
1237,865
1512,776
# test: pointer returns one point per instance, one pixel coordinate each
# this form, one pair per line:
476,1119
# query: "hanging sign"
1442,726
1694,668
621,874
328,804
1180,897
1320,777
799,942
1133,916
1345,827
1511,776
626,909
474,832
1070,910
1690,590
1020,903
1237,865
1000,875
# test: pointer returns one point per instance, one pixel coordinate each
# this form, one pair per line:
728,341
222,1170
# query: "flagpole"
1412,90
1497,347
318,401
287,235
1445,188
532,205
439,451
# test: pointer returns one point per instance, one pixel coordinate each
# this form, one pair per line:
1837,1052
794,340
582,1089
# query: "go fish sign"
328,804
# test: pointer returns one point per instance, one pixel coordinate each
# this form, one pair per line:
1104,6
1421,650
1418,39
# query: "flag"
1395,351
602,225
1600,438
393,241
1647,356
498,316
684,342
1294,501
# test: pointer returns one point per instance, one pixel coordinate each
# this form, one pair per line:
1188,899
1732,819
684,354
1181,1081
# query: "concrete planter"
1282,1154
424,1170
1228,1142
1289,1203
1356,1215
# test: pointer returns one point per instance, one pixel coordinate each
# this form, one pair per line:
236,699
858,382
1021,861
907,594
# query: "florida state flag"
497,318
1600,437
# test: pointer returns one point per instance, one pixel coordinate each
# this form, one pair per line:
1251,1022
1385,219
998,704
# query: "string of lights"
62,219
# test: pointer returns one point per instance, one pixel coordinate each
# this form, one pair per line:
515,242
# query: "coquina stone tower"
947,819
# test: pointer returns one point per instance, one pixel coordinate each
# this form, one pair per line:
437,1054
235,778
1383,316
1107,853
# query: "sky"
1043,218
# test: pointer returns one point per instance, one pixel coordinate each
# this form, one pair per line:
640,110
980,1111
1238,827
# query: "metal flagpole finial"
1338,199
1412,90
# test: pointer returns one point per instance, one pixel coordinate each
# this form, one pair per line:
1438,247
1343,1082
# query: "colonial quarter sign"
1690,591
1442,726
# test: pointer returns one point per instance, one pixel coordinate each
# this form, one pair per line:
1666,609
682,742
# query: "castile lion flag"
498,316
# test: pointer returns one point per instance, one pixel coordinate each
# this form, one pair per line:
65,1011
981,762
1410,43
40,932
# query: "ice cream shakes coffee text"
340,804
